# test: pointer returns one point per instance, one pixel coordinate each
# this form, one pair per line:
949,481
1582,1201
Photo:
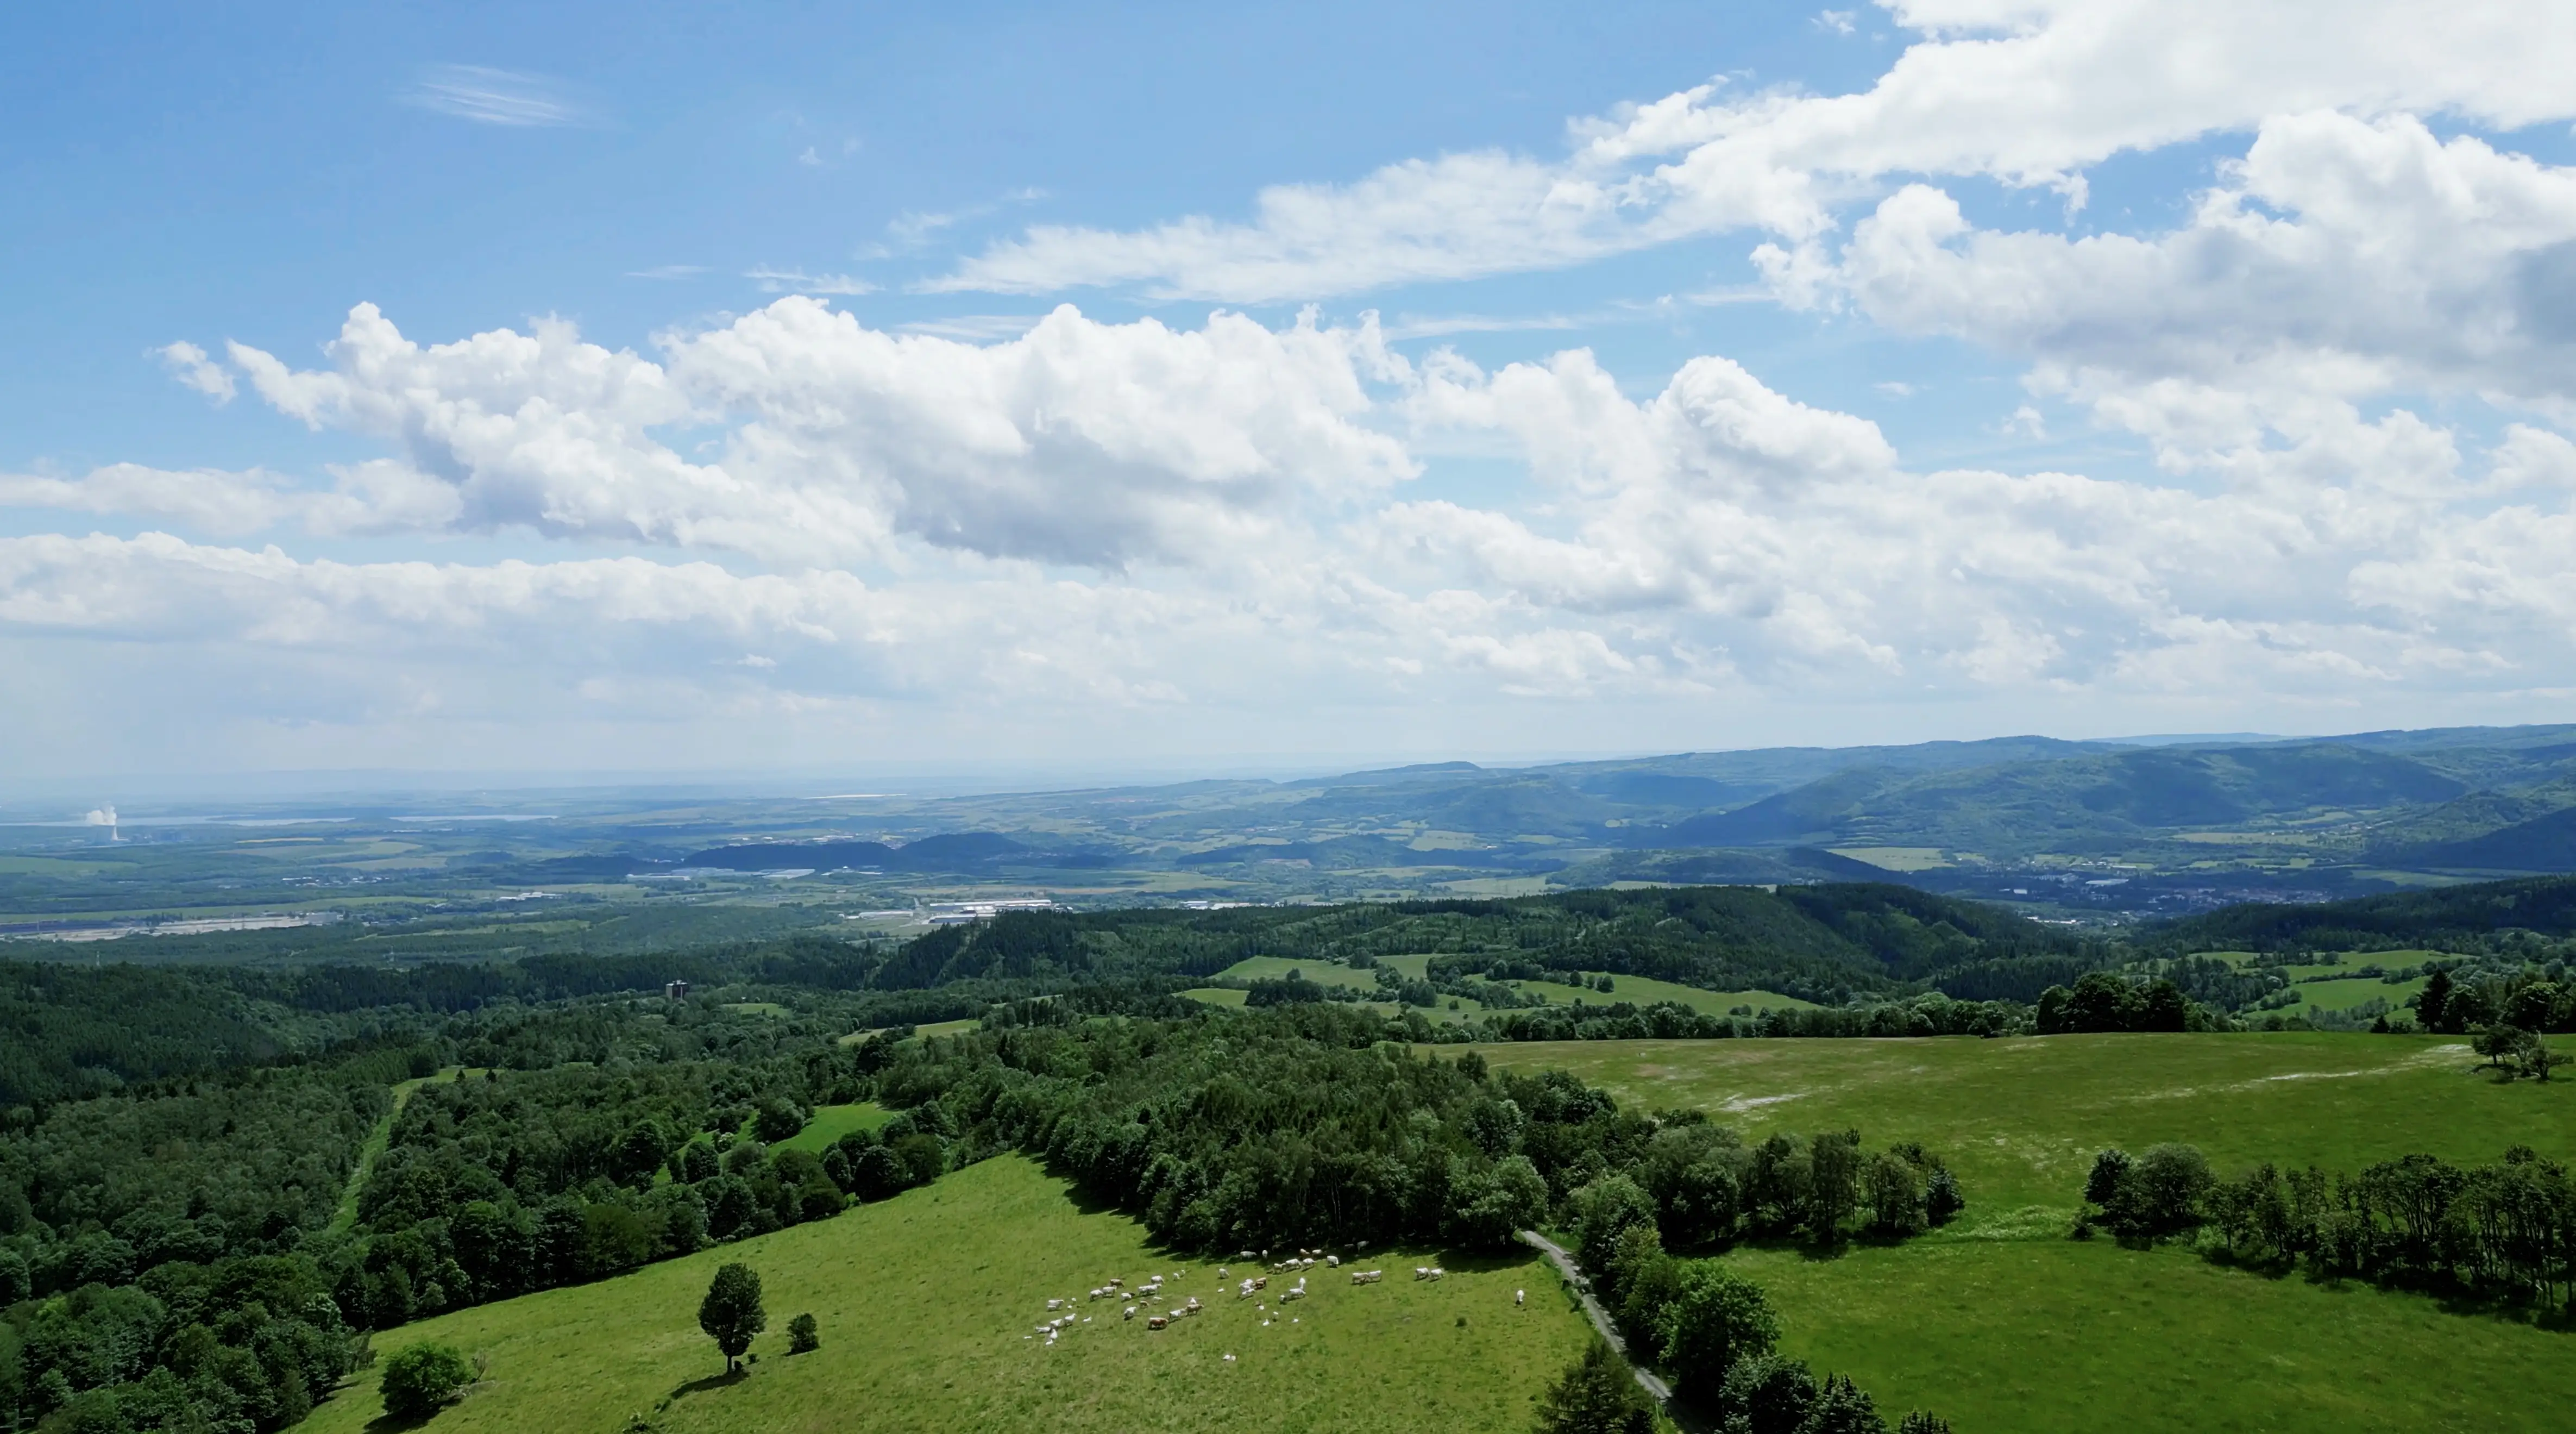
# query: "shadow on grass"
712,1381
2452,1299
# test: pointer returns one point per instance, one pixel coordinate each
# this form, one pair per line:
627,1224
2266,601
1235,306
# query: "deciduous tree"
731,1312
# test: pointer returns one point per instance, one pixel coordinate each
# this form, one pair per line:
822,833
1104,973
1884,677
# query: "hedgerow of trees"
2503,1233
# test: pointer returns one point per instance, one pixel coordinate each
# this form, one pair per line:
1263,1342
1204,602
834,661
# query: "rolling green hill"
2085,803
2449,918
1818,942
926,1305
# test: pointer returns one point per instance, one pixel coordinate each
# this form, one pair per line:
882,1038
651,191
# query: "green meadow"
830,1122
2002,1323
1276,968
926,1305
1640,990
1643,990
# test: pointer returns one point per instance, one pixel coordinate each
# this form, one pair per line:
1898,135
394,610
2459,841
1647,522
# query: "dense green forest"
2511,916
214,1248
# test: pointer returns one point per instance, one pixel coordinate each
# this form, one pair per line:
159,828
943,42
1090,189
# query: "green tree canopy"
421,1377
731,1312
1596,1395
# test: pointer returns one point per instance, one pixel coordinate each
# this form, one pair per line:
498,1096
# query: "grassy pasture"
1276,968
1215,995
2001,1323
2020,1119
2048,1335
1640,989
1643,991
830,1122
922,1302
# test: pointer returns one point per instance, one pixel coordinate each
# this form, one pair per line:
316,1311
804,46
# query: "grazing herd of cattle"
1062,1316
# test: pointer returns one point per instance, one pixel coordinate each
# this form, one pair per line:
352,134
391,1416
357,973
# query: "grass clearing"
2021,1118
1896,858
1276,968
1215,995
923,1302
830,1122
345,1218
1999,1322
2339,993
1641,990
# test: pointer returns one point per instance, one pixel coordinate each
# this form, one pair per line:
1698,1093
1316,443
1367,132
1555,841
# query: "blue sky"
1668,376
251,174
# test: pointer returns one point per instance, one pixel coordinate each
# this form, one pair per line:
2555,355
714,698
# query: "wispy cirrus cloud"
797,281
668,271
508,98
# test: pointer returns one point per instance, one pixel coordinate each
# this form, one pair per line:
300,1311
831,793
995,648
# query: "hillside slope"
925,1305
2439,918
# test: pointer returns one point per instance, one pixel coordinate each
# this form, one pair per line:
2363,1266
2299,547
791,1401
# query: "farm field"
922,1302
2001,1323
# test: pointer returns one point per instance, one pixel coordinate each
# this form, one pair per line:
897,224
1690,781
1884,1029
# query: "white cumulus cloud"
2029,92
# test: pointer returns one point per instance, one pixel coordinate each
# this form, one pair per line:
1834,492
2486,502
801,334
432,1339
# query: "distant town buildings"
959,913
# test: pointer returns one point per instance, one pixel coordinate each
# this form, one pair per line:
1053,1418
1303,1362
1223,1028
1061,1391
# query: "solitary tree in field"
731,1312
2498,1043
420,1378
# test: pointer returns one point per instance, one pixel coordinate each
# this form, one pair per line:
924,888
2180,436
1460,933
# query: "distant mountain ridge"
2316,815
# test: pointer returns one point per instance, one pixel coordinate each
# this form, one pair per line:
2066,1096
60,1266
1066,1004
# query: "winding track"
1574,1280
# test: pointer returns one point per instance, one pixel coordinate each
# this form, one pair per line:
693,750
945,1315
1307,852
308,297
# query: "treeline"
1933,1015
2502,1233
1822,943
503,1182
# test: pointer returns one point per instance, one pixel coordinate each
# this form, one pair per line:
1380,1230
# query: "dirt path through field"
1574,1280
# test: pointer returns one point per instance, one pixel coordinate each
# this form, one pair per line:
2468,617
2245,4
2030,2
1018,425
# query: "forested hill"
1824,942
2450,918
